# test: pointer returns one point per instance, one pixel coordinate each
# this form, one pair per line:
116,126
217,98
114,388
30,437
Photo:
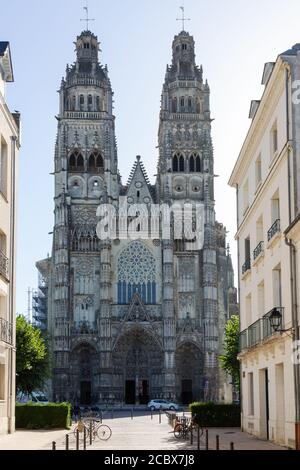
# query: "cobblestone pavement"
139,433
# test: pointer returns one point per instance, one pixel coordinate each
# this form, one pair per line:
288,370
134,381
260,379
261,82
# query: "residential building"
266,178
9,148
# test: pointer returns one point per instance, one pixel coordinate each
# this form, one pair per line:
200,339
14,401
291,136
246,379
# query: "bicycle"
99,430
184,427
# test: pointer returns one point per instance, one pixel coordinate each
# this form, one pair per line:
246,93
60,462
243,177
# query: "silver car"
162,405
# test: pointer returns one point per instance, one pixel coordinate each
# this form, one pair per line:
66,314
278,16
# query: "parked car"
162,405
34,397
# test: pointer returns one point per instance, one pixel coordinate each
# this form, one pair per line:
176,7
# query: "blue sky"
234,38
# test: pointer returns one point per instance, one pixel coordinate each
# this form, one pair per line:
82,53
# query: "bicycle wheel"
104,432
81,428
178,431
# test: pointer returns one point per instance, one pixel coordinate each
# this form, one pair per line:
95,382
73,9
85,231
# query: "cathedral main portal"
137,361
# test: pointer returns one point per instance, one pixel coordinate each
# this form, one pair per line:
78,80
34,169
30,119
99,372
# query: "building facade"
266,177
135,319
9,147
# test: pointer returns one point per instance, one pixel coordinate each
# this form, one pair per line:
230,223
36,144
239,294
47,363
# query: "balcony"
246,266
3,265
258,251
6,331
275,229
259,332
254,334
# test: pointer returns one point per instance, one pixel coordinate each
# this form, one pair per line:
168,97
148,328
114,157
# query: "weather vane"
87,19
183,19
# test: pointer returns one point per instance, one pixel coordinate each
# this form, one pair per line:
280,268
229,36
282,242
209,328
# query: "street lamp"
275,320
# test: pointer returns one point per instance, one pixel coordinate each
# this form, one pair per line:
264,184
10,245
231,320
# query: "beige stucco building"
9,146
266,177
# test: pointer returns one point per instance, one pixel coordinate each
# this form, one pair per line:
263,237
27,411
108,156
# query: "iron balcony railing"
254,334
259,331
6,331
246,266
258,250
3,265
274,229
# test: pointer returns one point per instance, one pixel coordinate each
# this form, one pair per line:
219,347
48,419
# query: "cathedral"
134,320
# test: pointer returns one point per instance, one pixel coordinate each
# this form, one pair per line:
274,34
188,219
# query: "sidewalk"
139,433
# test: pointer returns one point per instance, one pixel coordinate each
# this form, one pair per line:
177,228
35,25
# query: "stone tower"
186,174
131,320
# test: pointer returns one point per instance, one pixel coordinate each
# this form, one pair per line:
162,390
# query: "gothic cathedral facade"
133,320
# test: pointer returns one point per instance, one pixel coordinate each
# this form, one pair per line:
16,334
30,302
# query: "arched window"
136,274
98,107
195,163
198,164
81,103
198,106
73,103
175,164
96,164
178,163
76,161
90,103
192,164
181,164
174,105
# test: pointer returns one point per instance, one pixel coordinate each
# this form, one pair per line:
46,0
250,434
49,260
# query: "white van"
34,397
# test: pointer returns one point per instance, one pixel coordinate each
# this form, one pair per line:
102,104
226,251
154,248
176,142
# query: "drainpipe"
293,272
239,296
11,316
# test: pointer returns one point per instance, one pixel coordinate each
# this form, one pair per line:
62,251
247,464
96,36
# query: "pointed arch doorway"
138,359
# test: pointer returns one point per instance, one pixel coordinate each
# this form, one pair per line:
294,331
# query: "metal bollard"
231,445
198,438
206,440
131,413
91,433
151,414
53,445
101,416
192,437
112,414
217,442
84,438
77,439
67,441
159,417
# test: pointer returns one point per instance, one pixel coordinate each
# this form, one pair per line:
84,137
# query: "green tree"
32,357
229,360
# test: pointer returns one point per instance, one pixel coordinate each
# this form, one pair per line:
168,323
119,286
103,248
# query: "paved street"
141,433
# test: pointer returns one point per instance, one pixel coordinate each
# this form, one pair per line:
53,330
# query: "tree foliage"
229,360
32,358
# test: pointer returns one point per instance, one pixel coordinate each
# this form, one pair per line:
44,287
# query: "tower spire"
183,19
87,19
